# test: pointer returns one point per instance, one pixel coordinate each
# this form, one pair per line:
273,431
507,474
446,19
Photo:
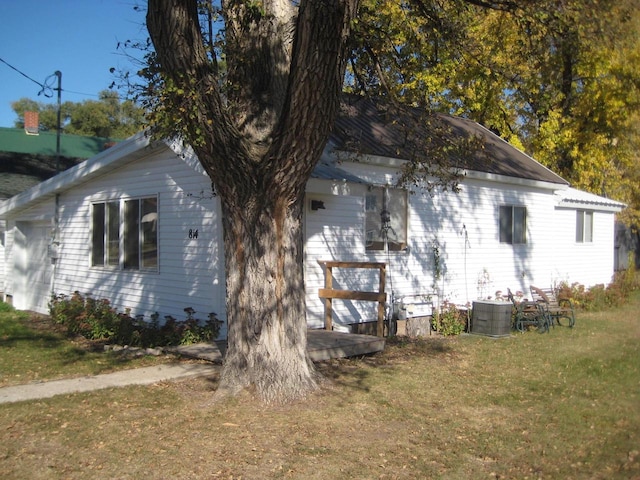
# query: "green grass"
562,405
31,350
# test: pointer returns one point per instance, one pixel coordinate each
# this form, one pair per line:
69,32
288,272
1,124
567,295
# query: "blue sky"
76,37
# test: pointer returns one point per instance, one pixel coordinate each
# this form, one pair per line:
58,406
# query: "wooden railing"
328,293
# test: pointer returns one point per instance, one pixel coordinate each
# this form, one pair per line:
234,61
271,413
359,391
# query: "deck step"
321,344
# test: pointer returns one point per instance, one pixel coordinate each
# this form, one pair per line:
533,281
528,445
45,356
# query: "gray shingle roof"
366,127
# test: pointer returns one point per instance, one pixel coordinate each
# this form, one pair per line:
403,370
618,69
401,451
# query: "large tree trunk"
259,142
265,299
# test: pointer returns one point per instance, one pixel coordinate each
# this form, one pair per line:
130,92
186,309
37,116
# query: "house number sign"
193,234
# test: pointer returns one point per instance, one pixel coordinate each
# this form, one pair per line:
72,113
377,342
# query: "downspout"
385,221
54,244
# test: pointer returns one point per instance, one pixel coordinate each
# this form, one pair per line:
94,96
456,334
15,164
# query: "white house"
138,224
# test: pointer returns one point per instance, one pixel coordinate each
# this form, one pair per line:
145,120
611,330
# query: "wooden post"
328,293
328,301
380,332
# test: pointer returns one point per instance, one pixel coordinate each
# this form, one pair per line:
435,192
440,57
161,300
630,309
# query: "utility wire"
47,90
22,73
82,93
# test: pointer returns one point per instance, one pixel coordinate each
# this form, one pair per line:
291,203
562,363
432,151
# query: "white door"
335,231
33,270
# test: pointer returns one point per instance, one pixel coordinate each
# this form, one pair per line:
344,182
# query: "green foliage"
106,117
450,320
600,297
5,307
97,320
437,263
557,80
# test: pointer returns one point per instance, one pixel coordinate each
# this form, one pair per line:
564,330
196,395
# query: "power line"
46,89
82,93
22,73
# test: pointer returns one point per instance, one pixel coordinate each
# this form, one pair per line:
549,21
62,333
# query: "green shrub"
600,297
98,320
450,320
68,311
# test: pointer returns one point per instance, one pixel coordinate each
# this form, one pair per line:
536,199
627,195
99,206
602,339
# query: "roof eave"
600,207
368,159
494,177
64,180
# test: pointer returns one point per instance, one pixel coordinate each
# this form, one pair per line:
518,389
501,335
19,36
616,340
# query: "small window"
513,224
386,216
113,234
132,235
584,226
148,230
124,234
98,234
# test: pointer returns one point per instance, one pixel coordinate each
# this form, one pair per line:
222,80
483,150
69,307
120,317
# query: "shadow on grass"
13,335
99,361
354,373
33,343
42,340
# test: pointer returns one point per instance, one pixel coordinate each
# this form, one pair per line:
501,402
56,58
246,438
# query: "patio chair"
527,314
558,308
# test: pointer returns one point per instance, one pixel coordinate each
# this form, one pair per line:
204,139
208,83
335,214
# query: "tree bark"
265,300
261,141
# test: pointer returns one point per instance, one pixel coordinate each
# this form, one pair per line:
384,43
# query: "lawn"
34,349
559,405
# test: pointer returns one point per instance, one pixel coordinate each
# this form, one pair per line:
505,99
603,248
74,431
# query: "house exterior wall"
190,271
464,228
475,264
335,233
587,263
17,266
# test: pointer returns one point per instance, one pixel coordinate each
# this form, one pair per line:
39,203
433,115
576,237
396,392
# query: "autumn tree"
257,98
107,117
556,79
258,127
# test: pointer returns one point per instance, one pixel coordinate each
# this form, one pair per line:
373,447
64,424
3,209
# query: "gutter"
71,176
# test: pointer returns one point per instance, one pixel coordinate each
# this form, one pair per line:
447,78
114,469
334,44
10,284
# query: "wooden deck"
321,344
326,344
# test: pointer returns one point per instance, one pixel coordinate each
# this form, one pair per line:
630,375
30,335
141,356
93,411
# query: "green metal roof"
15,140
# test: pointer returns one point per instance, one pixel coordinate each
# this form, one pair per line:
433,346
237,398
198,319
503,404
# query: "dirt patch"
44,324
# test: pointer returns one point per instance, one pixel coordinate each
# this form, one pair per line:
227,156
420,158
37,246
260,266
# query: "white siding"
16,282
190,272
586,263
465,226
475,264
334,233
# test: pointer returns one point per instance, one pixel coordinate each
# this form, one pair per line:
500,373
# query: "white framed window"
584,226
513,224
386,219
124,234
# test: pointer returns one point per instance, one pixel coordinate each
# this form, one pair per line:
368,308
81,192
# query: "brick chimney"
31,123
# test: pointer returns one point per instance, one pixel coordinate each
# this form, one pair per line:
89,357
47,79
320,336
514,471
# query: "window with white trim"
513,224
124,234
584,226
386,218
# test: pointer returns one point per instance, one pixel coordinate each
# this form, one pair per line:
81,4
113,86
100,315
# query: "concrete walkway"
322,345
137,376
